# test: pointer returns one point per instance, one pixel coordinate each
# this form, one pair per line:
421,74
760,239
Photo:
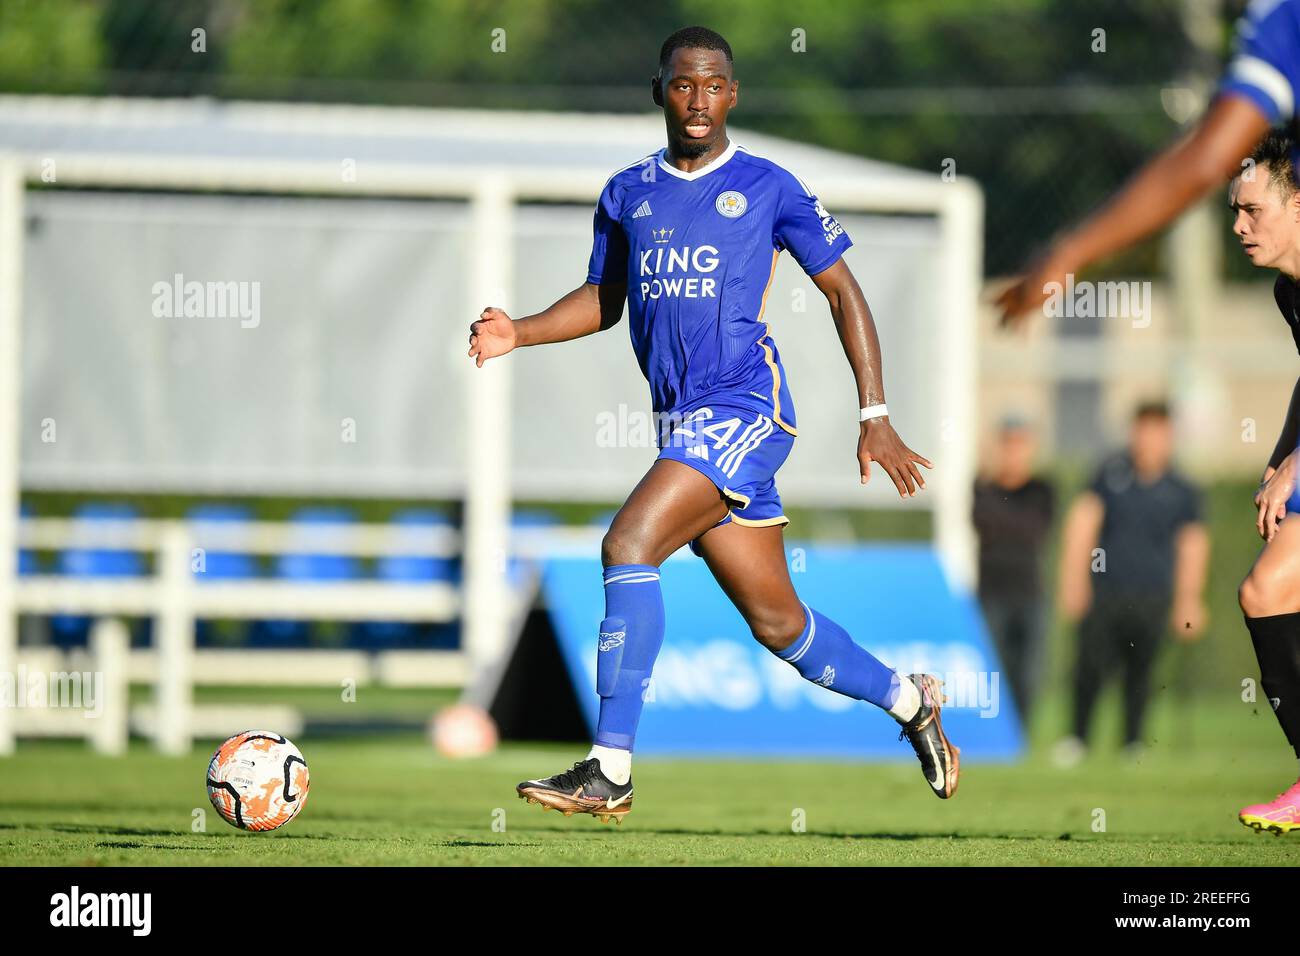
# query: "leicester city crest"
732,204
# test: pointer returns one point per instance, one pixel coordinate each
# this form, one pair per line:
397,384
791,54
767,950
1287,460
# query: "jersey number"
720,432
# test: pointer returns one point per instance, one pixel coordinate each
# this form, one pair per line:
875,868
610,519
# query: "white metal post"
174,642
11,274
962,240
1196,381
110,645
485,593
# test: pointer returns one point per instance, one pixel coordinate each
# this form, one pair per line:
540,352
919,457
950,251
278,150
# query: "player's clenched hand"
1273,494
879,442
492,335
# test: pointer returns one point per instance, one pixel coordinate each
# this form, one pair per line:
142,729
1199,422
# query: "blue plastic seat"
222,566
219,565
416,567
410,569
67,629
305,564
27,560
533,518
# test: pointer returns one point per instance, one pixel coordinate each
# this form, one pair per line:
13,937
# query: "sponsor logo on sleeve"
830,228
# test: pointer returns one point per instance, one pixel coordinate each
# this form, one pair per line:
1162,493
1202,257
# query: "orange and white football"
258,780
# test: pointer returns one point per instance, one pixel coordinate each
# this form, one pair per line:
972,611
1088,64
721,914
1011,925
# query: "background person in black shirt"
1133,560
1012,515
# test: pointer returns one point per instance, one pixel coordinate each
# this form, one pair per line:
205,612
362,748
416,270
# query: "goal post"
12,189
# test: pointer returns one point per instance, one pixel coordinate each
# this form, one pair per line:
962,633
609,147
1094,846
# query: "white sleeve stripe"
812,632
1267,78
801,183
640,162
738,453
754,426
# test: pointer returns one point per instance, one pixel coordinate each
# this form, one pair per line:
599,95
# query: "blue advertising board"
716,691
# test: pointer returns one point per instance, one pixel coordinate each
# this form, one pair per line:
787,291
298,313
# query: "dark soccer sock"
1277,647
630,638
825,654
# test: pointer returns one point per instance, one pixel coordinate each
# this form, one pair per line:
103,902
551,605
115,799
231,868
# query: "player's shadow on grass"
909,837
331,837
86,807
480,843
144,845
836,835
99,829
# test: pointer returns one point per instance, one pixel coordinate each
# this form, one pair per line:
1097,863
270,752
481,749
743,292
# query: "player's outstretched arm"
587,309
1164,188
877,440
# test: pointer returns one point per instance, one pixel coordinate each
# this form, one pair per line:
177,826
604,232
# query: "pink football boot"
1279,816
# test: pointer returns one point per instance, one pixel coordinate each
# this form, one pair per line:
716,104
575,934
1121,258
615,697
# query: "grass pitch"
391,800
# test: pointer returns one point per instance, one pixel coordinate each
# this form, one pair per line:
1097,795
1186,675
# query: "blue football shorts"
739,449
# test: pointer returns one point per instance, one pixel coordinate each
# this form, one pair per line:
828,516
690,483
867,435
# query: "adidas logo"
642,210
827,678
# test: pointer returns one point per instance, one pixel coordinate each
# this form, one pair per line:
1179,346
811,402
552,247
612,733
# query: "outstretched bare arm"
1184,173
587,309
877,440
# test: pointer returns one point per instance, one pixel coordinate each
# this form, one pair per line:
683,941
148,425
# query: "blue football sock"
825,654
630,638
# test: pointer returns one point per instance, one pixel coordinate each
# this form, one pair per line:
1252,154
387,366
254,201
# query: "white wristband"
872,411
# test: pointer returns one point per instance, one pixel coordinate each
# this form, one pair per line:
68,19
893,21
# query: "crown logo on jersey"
661,235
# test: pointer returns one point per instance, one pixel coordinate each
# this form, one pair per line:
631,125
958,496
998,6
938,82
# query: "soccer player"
689,238
1258,91
1267,221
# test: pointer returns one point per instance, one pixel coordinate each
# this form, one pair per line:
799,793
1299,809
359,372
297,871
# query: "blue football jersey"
1265,66
698,252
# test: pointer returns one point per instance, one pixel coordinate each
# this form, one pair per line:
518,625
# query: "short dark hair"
1152,408
692,38
1276,150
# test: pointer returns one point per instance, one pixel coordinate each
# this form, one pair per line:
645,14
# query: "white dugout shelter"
343,252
